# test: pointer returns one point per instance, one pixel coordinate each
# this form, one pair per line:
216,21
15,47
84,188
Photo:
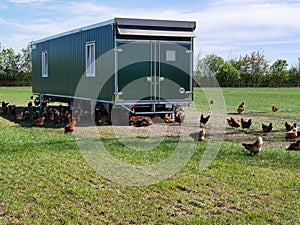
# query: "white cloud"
239,26
223,27
248,17
27,1
2,21
86,8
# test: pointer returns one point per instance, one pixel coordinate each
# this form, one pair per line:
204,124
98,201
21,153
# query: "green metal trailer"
142,65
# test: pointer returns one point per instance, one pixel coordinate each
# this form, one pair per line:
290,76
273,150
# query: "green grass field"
44,178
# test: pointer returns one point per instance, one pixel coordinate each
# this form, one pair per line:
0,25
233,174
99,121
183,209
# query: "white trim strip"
161,33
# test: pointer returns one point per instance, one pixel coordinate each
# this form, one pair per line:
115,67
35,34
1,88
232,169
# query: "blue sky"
228,28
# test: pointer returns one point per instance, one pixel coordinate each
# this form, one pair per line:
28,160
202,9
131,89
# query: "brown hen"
290,126
274,108
38,122
203,120
70,127
267,128
294,146
233,122
201,135
292,134
246,124
254,147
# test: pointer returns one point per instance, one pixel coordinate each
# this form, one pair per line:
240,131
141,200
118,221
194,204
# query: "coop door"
174,66
135,71
153,71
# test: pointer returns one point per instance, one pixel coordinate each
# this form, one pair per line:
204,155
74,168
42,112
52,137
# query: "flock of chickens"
292,131
58,115
63,116
140,121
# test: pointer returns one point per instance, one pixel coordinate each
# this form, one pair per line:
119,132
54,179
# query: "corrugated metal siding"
67,64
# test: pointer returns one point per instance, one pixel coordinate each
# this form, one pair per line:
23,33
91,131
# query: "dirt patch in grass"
189,130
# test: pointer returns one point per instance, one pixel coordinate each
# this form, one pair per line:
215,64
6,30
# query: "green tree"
25,64
259,67
228,75
1,64
252,68
279,74
15,66
294,75
9,64
243,67
197,71
207,68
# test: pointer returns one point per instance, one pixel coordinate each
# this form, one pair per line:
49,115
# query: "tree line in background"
15,68
251,70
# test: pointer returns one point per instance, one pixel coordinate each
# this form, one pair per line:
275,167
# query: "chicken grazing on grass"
38,122
3,110
36,101
35,115
44,102
241,108
56,119
70,127
4,104
274,108
9,108
289,126
12,109
233,122
64,117
246,124
180,116
27,115
203,120
4,107
292,134
267,128
201,135
254,147
294,146
69,117
51,115
18,117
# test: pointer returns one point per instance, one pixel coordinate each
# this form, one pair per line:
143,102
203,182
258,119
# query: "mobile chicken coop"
142,65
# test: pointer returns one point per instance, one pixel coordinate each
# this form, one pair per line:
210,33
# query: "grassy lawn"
44,179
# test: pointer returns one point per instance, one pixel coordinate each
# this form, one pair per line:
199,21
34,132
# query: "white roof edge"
101,24
162,33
